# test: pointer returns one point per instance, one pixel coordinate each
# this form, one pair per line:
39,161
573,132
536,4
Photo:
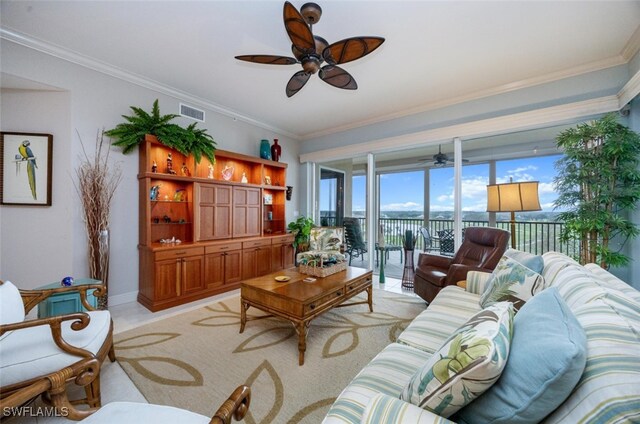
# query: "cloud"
406,206
546,188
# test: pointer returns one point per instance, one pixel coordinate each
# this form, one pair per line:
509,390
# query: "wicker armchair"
40,356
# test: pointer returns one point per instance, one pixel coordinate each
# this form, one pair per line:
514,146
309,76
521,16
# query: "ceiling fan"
440,159
311,51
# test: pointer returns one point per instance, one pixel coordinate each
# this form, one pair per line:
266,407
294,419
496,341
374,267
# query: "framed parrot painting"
25,162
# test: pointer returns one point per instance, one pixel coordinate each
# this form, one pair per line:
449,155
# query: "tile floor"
116,385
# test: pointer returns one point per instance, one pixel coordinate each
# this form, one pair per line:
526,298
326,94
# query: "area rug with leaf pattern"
196,359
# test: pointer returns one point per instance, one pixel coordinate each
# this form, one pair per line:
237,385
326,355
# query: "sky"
404,191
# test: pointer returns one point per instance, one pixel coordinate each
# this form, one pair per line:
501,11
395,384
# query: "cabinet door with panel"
167,279
223,264
192,280
214,211
246,211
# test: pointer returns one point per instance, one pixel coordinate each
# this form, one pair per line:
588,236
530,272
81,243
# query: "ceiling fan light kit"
311,51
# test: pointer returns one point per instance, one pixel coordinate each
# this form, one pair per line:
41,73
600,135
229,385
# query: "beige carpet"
196,359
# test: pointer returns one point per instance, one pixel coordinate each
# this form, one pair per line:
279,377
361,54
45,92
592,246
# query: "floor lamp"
513,197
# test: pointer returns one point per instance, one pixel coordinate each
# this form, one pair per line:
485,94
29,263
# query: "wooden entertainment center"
230,229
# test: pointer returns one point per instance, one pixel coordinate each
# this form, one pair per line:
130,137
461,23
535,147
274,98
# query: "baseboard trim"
123,298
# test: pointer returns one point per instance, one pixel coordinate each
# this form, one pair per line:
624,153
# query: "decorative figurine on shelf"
155,192
154,167
276,150
185,170
67,282
227,172
289,192
210,175
265,149
166,219
170,164
267,180
180,195
244,178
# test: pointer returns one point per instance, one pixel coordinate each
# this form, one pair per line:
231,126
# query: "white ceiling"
435,52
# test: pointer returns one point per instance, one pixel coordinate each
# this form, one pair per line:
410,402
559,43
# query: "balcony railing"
536,237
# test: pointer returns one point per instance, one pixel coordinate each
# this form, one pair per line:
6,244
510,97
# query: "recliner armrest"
458,272
438,261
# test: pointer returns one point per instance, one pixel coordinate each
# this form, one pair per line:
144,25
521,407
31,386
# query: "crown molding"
549,116
502,89
630,90
632,47
139,80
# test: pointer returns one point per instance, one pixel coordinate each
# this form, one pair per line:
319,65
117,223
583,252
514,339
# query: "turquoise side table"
66,303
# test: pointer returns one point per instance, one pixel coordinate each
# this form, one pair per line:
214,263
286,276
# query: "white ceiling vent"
191,112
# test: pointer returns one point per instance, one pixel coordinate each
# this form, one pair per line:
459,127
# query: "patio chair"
447,245
40,356
428,242
481,250
354,241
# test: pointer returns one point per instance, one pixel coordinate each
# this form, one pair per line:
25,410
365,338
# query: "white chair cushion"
130,412
31,352
11,306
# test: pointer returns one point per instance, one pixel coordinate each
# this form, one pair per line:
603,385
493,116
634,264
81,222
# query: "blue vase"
265,149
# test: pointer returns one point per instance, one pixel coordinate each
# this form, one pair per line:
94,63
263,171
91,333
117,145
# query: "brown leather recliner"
481,250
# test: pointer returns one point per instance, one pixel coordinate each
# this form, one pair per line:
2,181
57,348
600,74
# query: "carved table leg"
370,298
302,328
243,315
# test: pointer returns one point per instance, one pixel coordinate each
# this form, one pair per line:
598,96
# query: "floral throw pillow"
325,238
511,281
466,365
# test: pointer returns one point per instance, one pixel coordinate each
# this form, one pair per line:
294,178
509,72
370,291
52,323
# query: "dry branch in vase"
97,182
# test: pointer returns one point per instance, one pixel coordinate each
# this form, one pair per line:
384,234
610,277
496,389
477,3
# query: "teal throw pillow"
513,282
466,365
546,361
534,262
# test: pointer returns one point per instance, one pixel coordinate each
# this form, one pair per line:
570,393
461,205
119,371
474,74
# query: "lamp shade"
513,197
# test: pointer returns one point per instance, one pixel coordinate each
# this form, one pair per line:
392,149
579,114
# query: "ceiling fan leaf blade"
297,81
338,77
298,30
350,49
268,59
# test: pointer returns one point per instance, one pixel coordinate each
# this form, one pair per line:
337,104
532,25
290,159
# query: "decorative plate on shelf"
282,278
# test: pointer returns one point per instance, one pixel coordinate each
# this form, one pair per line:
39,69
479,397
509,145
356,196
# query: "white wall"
633,248
96,100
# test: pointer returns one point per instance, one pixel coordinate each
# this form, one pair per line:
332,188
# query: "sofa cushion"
467,364
386,409
539,375
609,389
554,262
387,373
31,352
605,278
511,281
451,308
531,261
325,238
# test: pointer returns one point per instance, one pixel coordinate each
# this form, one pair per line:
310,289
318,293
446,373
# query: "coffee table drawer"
332,298
358,285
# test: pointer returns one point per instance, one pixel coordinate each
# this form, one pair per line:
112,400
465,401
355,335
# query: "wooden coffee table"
299,301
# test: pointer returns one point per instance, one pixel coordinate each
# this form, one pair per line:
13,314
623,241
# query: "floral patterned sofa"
606,386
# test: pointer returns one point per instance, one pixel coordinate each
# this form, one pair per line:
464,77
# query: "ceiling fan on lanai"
440,159
311,51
